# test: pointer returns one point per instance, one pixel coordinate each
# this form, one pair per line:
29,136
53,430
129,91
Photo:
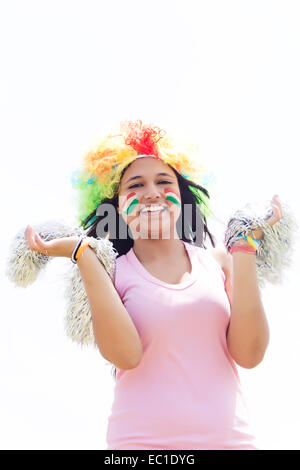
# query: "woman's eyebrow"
158,174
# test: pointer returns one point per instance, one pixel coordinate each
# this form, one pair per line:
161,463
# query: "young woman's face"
150,182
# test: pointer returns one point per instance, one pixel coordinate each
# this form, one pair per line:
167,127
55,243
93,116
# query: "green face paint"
172,196
130,203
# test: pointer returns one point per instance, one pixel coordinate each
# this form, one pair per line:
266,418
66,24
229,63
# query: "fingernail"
275,195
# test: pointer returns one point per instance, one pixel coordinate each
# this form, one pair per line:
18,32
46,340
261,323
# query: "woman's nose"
152,194
151,191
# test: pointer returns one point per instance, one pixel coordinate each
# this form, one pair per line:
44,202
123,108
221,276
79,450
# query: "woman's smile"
153,213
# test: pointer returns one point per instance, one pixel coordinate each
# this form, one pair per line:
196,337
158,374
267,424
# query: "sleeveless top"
185,393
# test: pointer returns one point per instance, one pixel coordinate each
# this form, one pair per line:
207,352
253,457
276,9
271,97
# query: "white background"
223,74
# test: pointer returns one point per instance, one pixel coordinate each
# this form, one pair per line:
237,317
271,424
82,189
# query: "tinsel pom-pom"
78,319
23,264
274,255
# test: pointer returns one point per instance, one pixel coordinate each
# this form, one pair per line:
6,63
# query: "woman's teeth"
151,210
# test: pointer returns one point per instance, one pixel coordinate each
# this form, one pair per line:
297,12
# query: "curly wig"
99,177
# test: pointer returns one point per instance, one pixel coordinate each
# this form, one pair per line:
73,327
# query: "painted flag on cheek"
130,203
172,196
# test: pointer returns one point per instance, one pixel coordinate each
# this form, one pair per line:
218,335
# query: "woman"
169,323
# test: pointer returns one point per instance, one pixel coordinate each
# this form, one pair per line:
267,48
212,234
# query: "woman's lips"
153,213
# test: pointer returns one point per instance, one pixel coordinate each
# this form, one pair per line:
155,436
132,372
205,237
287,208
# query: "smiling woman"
172,316
174,292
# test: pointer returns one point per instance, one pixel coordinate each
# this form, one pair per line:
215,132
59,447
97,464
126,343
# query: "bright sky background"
223,74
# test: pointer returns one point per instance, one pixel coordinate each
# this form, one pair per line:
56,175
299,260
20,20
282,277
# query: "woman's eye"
160,182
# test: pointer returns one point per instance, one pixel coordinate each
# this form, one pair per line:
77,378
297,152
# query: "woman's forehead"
146,166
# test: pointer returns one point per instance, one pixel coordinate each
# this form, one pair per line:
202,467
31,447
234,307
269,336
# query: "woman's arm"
248,331
114,330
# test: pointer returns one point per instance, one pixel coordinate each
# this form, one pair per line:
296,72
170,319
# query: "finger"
275,217
34,245
39,242
31,239
279,212
276,201
38,239
42,245
28,236
275,210
277,207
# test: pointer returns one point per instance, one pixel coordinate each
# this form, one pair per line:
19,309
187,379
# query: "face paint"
172,196
130,203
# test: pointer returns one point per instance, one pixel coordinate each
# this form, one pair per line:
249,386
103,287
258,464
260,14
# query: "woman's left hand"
273,219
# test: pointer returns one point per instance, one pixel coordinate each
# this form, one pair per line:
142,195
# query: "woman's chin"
154,234
153,227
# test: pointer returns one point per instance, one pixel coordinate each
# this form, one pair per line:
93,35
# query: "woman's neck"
151,250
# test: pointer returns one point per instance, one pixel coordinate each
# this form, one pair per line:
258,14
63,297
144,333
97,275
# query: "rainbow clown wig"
102,169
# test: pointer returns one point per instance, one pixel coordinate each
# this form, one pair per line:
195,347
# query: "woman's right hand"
57,247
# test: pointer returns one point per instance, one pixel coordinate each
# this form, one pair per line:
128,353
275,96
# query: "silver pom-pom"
274,254
78,320
23,264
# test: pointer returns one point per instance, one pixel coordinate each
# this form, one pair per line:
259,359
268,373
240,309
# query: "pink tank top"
186,392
